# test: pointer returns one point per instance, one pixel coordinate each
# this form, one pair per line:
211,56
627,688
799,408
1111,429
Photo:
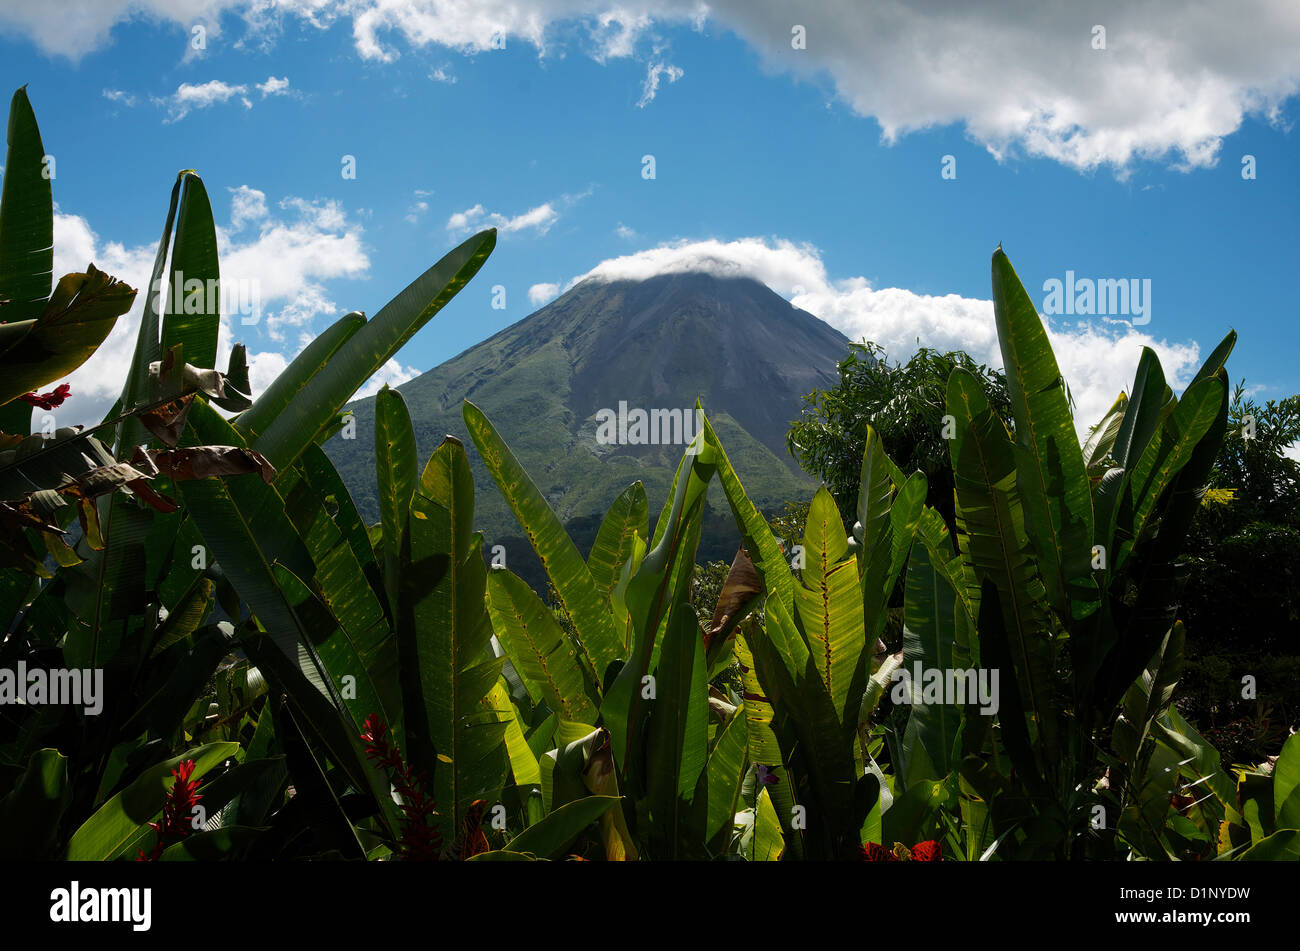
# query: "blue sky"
817,170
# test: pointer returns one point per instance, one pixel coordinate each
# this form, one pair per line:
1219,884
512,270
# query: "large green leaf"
756,535
247,530
654,598
80,314
626,519
396,470
575,587
444,634
1050,473
1286,784
677,740
932,613
767,843
549,838
991,528
725,771
538,647
148,344
1148,697
26,218
291,380
828,603
194,280
366,351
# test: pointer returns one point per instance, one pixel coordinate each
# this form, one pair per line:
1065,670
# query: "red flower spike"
420,840
178,811
929,851
875,852
50,400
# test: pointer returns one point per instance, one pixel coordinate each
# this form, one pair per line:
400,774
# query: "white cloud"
247,206
653,74
120,96
416,211
539,294
274,87
1019,77
442,75
538,219
1098,360
626,233
391,373
190,96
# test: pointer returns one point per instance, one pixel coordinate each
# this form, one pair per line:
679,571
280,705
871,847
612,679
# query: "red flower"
420,840
930,851
178,811
875,852
49,400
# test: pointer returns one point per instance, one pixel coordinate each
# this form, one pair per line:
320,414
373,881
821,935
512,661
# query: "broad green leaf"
366,351
627,518
654,596
444,634
763,548
193,312
828,603
549,838
767,843
931,612
991,528
80,314
26,218
291,380
523,764
538,647
1050,473
148,345
677,738
725,771
396,473
576,588
1286,784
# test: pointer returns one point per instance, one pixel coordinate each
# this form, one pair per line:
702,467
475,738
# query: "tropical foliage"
282,680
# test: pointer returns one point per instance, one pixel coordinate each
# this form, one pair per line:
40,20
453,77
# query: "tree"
904,402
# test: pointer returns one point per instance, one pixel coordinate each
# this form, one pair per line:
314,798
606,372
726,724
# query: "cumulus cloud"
278,258
274,86
539,294
1172,81
191,96
391,373
537,219
1098,360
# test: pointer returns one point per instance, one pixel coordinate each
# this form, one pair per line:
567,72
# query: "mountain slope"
651,345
